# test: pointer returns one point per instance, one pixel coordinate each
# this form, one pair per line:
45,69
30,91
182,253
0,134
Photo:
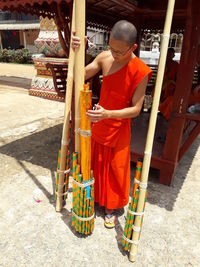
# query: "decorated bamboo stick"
92,204
132,207
66,181
151,130
65,139
75,188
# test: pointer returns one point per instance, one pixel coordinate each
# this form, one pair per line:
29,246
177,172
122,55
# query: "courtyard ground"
33,234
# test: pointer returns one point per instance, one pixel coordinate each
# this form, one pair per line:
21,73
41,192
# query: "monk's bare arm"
93,68
130,112
97,64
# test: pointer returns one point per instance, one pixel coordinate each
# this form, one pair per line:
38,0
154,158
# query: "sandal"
110,220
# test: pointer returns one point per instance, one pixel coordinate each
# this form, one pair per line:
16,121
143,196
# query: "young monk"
169,80
166,106
125,78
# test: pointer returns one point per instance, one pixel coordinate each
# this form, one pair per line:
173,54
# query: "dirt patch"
33,234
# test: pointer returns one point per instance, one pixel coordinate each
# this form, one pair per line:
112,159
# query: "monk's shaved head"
124,31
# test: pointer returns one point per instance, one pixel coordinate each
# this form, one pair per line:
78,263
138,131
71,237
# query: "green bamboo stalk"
132,217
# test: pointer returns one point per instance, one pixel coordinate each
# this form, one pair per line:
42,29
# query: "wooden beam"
99,3
161,13
188,116
191,138
128,6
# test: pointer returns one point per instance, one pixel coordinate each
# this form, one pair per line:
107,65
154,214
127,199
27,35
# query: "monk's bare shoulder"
104,57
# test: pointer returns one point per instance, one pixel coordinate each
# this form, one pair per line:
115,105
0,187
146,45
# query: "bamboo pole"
151,130
79,67
65,138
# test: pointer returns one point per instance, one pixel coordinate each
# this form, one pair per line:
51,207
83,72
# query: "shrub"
22,56
7,55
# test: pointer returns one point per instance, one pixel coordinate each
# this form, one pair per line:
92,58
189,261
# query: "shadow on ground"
41,149
15,81
162,195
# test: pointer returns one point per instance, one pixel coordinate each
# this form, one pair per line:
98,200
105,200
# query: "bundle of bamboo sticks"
83,187
83,201
131,214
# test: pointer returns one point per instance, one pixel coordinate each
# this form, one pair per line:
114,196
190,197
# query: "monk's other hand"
98,114
76,41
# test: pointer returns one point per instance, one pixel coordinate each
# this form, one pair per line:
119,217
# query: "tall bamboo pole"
151,131
79,67
65,136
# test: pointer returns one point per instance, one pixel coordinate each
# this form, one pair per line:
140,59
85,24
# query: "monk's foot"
110,218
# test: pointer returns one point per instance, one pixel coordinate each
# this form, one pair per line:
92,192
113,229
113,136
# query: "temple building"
18,30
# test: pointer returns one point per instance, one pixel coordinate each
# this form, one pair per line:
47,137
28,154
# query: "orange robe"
169,82
111,137
166,106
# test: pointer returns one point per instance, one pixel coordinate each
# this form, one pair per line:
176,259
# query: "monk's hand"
75,43
98,114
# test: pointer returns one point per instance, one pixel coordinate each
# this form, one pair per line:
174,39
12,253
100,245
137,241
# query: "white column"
1,46
24,36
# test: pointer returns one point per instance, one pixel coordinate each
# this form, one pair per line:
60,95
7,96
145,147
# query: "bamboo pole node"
81,218
165,35
61,195
65,143
136,181
83,185
136,213
136,229
130,241
148,153
60,186
143,185
64,172
84,133
133,254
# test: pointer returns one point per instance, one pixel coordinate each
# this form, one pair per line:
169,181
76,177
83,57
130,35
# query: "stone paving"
33,234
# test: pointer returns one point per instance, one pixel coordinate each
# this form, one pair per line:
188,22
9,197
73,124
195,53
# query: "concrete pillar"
24,37
1,46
